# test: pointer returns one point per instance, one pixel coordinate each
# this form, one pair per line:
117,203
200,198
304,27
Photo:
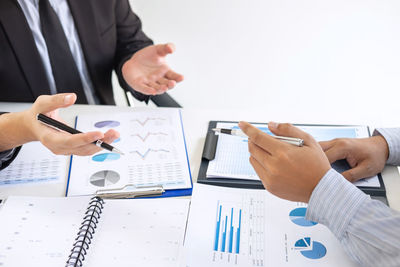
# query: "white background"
339,60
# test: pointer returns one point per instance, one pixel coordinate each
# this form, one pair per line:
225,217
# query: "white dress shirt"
31,11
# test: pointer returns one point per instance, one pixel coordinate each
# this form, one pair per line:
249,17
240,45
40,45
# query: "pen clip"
130,191
99,142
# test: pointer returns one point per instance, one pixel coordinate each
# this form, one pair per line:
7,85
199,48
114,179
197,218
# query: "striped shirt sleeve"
392,136
368,230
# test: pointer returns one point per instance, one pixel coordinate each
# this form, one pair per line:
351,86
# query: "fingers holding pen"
88,148
259,154
286,170
287,129
263,140
110,136
61,143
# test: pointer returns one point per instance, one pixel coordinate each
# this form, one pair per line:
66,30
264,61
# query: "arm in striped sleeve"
392,137
368,230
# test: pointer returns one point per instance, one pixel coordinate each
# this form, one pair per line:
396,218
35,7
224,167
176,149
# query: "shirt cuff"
334,202
392,137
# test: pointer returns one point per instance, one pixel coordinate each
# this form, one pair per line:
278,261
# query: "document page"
34,164
139,232
245,227
39,231
232,155
154,146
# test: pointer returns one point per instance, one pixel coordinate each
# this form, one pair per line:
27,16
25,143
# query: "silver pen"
131,191
238,132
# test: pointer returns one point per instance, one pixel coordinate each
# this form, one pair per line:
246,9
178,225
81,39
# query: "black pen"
62,127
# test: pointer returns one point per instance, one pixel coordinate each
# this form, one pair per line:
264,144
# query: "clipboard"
209,151
133,191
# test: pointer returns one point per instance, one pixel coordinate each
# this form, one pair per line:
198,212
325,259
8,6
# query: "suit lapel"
20,36
85,23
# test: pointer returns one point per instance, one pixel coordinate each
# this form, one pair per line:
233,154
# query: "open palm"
147,70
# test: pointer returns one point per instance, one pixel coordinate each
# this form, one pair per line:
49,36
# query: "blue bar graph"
227,235
231,233
224,235
217,229
238,233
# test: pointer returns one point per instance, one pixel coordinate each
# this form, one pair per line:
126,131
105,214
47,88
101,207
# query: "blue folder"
167,193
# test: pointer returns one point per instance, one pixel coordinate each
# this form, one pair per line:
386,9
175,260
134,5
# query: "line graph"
144,138
145,154
144,122
155,150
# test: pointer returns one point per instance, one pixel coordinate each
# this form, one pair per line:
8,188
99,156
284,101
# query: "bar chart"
232,227
239,232
227,239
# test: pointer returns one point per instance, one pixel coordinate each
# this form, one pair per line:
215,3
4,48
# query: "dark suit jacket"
109,32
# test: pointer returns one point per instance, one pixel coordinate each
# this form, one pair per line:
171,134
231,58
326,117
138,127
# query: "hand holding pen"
63,127
287,171
60,142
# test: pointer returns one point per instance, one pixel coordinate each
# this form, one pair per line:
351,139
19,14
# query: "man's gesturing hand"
147,71
287,171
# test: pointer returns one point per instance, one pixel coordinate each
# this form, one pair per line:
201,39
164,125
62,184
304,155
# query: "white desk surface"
195,126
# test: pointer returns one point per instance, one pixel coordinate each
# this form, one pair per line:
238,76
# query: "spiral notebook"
84,231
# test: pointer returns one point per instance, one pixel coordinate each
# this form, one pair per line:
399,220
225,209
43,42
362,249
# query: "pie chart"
105,157
102,124
104,178
310,249
297,216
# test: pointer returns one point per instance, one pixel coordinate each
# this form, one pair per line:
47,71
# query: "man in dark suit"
59,46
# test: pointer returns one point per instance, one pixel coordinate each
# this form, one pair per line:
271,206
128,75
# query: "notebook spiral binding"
85,233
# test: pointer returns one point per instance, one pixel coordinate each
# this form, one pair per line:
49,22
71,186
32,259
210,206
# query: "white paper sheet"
139,232
264,231
154,147
34,164
41,232
232,156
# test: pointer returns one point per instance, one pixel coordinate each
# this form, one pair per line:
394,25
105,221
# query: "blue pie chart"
105,157
298,215
310,249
